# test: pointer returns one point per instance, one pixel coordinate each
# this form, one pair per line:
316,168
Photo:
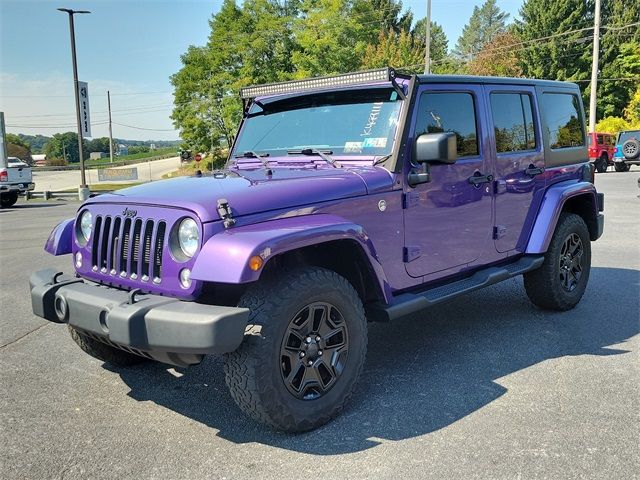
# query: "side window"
564,122
513,122
450,112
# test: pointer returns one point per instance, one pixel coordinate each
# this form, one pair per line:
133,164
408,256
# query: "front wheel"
561,280
621,167
303,350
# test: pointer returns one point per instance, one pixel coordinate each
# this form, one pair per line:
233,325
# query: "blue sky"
128,47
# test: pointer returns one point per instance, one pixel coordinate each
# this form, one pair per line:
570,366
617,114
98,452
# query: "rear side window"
450,112
564,122
513,122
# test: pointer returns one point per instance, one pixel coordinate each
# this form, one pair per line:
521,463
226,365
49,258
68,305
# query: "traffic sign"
198,157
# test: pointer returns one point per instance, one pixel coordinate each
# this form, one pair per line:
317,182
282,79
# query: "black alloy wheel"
314,350
570,259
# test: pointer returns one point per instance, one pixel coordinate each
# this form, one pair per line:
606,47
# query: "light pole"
594,68
83,190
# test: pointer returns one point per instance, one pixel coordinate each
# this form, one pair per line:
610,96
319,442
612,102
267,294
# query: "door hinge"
499,231
410,199
410,253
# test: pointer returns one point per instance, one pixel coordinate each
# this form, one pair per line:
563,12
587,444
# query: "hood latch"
224,210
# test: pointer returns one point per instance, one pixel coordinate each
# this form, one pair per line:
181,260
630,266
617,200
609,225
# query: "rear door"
519,162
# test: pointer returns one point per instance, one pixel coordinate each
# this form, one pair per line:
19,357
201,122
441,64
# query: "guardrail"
63,168
48,195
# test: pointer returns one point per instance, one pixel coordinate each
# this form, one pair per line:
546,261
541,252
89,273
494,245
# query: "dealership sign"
85,119
117,174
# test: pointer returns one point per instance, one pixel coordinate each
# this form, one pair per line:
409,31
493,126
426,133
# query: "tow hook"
224,210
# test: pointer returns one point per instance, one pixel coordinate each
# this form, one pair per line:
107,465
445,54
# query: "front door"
519,162
448,220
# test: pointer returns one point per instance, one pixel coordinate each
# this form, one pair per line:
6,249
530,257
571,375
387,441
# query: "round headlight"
86,224
188,237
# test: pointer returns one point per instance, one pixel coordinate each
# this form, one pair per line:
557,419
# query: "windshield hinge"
224,210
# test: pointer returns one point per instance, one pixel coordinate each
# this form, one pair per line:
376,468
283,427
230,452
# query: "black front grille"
128,248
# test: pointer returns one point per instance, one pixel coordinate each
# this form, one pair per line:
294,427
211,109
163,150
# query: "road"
486,387
70,179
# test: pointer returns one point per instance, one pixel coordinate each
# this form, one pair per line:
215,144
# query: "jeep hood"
253,191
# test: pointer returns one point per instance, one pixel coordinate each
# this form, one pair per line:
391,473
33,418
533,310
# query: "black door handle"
477,179
533,171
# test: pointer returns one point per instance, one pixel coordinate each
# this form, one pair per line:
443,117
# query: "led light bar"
366,76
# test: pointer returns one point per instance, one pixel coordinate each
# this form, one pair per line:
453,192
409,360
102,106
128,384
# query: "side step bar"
408,303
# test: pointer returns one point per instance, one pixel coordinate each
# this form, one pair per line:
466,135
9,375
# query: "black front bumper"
165,329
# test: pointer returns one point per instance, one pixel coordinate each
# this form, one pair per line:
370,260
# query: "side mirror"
436,147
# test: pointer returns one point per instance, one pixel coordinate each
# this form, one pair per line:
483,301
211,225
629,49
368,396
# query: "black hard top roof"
493,80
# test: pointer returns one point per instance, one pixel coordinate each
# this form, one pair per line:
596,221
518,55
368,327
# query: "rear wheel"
602,163
104,352
561,280
303,350
8,199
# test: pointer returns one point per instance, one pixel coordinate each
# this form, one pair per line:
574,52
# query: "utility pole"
83,190
427,49
64,151
110,131
594,69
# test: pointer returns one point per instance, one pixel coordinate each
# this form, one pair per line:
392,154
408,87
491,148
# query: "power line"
150,129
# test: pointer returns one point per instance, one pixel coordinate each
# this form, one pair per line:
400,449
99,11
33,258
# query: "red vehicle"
601,148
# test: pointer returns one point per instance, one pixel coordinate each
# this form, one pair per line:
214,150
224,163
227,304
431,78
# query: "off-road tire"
8,199
253,371
621,167
104,352
543,285
602,164
631,149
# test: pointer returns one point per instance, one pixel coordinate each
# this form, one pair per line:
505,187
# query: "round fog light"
78,259
185,278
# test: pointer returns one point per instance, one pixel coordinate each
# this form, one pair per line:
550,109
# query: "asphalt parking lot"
486,387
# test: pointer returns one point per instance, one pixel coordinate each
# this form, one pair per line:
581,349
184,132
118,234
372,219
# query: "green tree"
100,144
330,39
485,23
398,50
564,56
17,147
619,55
497,58
439,44
375,16
247,45
64,145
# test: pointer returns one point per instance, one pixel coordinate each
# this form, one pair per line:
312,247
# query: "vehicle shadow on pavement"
423,373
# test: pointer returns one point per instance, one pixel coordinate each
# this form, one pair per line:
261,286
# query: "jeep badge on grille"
129,213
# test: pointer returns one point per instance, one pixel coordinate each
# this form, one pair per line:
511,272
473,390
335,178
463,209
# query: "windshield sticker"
352,147
394,96
373,119
375,142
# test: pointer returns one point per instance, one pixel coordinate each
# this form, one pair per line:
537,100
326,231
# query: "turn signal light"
255,263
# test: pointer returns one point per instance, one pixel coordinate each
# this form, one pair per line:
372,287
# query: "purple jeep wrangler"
347,199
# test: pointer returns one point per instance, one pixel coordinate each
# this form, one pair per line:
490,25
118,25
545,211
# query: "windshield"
624,136
353,122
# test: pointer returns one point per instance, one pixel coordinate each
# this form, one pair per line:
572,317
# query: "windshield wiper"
324,154
252,154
